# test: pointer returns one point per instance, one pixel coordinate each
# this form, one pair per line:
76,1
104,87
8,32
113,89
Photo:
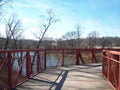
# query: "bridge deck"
82,77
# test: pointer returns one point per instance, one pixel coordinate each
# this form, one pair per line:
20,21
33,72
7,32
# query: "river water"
52,60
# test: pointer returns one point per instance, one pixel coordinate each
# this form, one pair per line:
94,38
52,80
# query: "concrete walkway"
82,77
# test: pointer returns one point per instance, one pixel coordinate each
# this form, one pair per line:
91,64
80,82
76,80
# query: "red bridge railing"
111,67
16,66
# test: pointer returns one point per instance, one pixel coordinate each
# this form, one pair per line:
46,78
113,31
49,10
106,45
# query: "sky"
102,16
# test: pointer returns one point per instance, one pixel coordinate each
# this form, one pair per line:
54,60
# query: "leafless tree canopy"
92,38
13,31
45,25
73,37
2,3
78,32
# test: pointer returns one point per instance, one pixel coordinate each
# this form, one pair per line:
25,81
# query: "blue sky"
100,15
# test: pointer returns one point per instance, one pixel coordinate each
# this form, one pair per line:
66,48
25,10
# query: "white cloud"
90,24
2,30
104,30
29,21
68,18
15,3
32,4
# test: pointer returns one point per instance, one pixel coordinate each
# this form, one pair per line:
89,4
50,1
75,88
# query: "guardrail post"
38,62
117,57
28,62
45,59
103,54
91,57
80,56
77,57
119,74
9,58
108,70
62,57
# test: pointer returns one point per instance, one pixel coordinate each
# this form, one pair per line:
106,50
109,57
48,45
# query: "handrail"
29,62
111,67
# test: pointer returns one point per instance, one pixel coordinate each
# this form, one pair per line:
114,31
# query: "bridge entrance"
17,66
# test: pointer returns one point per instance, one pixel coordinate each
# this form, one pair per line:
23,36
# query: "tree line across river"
89,42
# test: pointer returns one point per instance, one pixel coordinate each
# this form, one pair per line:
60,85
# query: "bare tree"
70,38
73,37
45,25
60,43
108,42
78,34
47,42
92,39
2,4
13,31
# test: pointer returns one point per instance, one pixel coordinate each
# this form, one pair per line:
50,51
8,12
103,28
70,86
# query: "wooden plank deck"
75,77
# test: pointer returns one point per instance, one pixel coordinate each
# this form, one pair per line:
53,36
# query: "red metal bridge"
17,66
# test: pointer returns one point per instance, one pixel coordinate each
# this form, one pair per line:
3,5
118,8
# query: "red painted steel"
111,67
9,69
77,57
31,62
38,61
62,57
28,64
93,57
45,60
81,58
10,75
19,72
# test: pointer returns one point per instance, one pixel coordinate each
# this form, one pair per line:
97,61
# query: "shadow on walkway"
60,84
72,77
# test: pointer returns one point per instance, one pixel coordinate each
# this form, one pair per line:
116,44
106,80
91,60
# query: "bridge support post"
38,61
119,74
28,64
92,57
44,59
108,71
80,56
77,57
103,61
9,58
116,57
62,57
